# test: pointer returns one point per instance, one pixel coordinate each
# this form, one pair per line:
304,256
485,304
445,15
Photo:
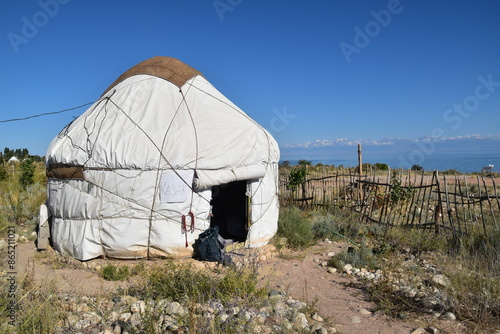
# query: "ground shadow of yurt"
160,157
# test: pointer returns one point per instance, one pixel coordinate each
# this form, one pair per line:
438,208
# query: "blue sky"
305,70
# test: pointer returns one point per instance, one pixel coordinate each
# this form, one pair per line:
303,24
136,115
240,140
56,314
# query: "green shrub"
295,227
480,251
361,257
27,173
451,172
475,297
416,240
112,273
19,205
297,176
184,284
338,224
324,226
38,311
397,193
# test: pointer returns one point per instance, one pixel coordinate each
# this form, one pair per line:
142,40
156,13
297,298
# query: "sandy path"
304,279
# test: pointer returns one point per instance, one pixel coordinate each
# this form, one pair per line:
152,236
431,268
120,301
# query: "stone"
355,319
72,319
92,317
138,307
318,329
117,329
265,330
364,311
280,308
274,320
233,310
108,329
410,293
135,320
347,269
317,317
419,330
216,306
432,330
296,304
324,264
223,318
113,316
449,316
168,321
275,292
331,254
300,320
332,270
260,318
125,317
245,315
175,308
441,281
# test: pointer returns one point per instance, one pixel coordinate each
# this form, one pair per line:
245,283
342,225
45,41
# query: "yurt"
160,157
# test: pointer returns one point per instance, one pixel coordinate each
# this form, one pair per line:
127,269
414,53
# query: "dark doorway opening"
229,210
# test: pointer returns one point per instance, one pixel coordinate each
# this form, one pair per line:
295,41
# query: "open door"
230,210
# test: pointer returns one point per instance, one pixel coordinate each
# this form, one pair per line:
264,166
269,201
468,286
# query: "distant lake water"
466,162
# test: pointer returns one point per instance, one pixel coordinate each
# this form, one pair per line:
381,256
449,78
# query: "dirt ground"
298,274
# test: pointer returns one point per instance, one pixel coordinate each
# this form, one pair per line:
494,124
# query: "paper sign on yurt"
174,187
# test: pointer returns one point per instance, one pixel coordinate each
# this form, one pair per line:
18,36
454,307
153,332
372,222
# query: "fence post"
439,207
360,160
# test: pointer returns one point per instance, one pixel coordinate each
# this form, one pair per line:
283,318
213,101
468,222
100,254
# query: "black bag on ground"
208,247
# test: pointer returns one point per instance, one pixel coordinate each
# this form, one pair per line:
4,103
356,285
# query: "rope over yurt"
158,159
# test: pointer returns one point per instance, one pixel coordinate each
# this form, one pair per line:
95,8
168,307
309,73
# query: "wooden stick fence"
400,198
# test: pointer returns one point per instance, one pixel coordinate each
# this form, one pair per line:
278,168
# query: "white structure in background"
13,160
488,169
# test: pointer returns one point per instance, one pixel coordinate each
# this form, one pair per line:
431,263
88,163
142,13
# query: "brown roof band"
62,171
170,69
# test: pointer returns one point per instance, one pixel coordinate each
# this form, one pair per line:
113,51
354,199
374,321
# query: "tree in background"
381,166
417,167
20,153
3,173
304,163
